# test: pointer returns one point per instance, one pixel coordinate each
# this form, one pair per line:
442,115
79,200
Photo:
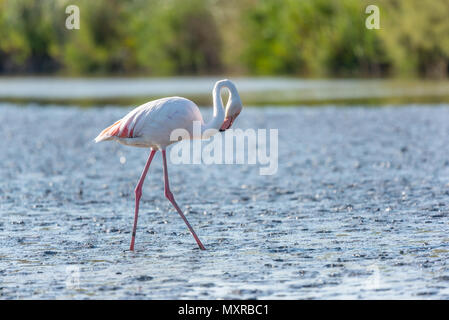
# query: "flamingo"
150,126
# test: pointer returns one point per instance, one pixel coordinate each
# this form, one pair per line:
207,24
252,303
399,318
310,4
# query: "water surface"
359,208
260,91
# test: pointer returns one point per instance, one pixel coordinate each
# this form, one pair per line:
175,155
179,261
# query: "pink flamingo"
150,126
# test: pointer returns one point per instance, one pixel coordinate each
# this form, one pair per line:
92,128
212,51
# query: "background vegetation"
318,38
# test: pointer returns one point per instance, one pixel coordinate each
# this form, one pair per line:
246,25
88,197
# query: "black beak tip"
221,130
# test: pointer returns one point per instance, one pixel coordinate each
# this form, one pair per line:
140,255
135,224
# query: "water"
263,90
358,209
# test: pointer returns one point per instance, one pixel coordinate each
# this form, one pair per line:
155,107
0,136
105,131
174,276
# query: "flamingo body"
151,125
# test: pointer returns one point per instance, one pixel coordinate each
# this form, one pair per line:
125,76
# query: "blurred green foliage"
320,38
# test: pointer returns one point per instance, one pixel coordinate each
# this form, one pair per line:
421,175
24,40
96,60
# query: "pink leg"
138,192
170,197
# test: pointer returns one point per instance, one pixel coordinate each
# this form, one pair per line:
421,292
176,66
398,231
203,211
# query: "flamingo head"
233,110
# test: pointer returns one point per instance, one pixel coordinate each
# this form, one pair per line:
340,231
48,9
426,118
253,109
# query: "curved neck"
219,112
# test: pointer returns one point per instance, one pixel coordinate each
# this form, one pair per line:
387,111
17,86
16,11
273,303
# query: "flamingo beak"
227,123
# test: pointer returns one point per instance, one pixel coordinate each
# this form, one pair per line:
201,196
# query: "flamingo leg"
170,197
138,192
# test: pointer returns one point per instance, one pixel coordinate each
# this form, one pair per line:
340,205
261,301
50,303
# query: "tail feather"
123,128
109,132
